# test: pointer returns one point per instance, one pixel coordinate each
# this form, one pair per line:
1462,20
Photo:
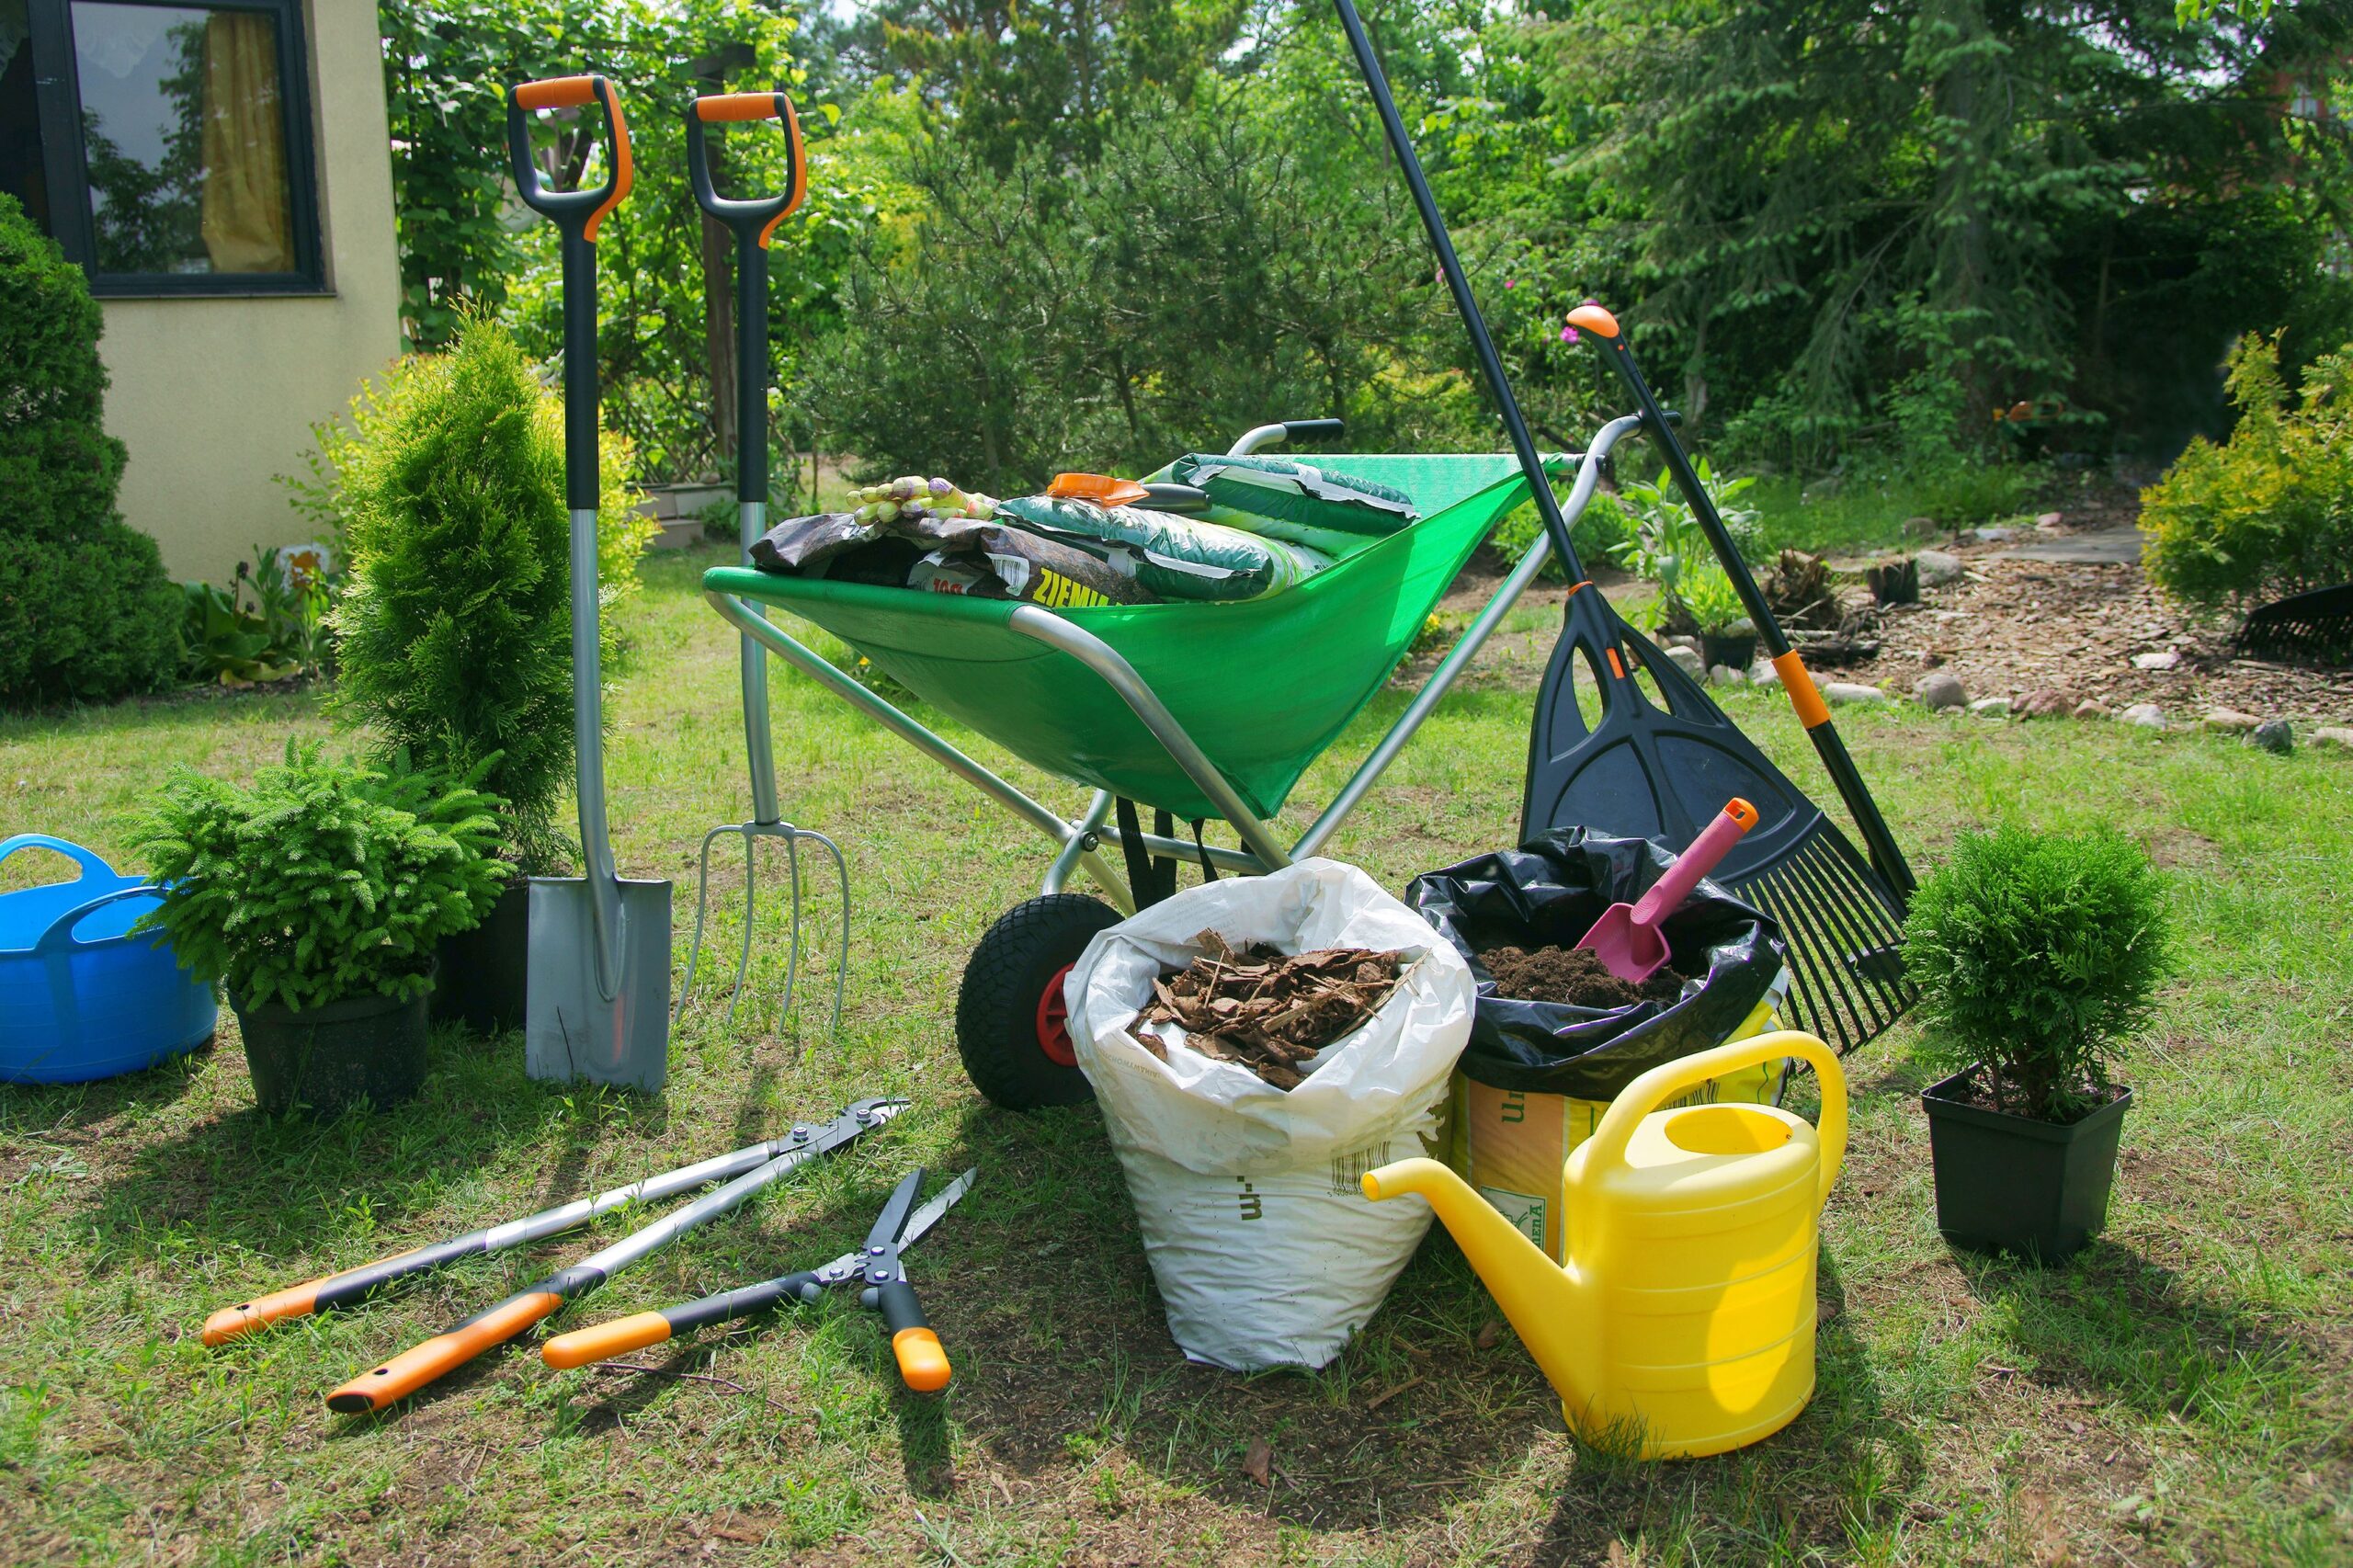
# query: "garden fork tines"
753,222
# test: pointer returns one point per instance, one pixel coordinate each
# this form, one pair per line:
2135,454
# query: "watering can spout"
1535,1294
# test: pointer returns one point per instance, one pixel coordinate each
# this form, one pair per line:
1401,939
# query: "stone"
1921,528
2045,702
2230,721
2164,661
1991,708
2046,520
2274,735
1845,691
1939,691
1762,673
1937,568
1690,642
2087,708
2334,735
1994,535
1687,661
1724,674
2148,715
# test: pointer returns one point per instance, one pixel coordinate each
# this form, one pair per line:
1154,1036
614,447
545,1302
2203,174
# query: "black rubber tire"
996,1005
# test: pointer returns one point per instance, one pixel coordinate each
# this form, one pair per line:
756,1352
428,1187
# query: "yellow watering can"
1686,1312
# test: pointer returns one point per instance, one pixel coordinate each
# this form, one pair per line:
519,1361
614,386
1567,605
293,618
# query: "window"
164,143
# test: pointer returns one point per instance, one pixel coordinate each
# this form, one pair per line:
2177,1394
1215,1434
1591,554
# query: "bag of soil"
992,562
1547,893
1247,1194
1175,557
1303,504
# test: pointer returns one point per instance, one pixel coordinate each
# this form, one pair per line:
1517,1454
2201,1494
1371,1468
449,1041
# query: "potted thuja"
2037,957
315,896
455,623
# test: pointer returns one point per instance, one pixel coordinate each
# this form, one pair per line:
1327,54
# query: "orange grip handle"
736,106
605,1341
922,1361
1741,811
557,92
294,1302
444,1353
1804,696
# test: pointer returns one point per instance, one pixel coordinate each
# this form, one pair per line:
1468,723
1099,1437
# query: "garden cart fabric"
1335,638
1245,1193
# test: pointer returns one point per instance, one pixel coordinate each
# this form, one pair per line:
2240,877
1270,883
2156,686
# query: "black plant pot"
329,1057
1739,652
482,970
2013,1184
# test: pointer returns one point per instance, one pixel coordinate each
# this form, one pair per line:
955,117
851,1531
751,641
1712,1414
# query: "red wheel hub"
1053,1021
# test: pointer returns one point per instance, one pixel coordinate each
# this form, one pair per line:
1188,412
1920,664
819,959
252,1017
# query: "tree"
86,612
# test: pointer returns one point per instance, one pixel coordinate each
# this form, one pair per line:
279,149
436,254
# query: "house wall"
214,397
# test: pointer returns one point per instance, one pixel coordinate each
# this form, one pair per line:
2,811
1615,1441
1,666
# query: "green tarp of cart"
1264,685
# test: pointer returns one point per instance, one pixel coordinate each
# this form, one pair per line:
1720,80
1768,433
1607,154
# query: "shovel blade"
572,1030
1630,951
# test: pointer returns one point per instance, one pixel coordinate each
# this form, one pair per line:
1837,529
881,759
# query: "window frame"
65,162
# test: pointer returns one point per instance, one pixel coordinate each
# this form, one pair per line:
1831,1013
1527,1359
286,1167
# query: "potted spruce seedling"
316,896
2037,956
455,623
1726,634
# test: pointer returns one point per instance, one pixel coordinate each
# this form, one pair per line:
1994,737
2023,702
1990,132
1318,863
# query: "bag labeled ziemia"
1259,1236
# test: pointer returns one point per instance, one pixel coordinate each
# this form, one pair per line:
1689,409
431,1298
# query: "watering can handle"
1662,1082
87,859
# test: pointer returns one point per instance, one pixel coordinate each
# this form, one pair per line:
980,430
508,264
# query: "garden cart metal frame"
1009,1017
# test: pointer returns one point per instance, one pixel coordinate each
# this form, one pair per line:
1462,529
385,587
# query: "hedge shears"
445,1353
876,1266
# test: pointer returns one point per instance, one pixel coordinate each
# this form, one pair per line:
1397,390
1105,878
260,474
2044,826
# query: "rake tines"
2315,627
1844,936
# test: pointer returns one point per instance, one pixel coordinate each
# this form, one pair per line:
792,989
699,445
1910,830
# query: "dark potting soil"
1973,1090
1573,975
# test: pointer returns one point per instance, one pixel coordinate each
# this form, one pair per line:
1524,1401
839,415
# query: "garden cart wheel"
1011,1029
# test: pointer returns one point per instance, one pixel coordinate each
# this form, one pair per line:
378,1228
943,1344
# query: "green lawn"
2181,1392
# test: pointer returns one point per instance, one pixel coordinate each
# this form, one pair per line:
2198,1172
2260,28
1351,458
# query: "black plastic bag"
1549,892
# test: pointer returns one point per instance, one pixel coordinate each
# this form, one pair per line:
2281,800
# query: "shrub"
320,881
2038,955
86,613
2270,511
455,625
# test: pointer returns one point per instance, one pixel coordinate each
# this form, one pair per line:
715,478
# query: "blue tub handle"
86,858
59,938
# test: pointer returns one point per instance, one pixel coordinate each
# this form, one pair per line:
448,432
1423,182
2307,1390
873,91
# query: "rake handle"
1810,710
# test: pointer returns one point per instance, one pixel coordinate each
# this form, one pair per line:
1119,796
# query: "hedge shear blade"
444,1353
875,1266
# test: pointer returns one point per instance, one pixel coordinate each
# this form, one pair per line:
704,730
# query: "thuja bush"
455,625
2038,955
321,879
2270,511
86,613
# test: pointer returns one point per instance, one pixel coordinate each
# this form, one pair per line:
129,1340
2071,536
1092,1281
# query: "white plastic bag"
1266,1250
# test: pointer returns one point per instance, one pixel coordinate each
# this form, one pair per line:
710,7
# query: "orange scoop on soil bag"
1626,938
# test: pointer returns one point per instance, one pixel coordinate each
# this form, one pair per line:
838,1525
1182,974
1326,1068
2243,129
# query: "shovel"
1627,938
599,949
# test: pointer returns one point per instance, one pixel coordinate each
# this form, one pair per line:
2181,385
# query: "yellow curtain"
244,222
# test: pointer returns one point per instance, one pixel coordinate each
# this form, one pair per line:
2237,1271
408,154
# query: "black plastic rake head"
2312,627
1664,770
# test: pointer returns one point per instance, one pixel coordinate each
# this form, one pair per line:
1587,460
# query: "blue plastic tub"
80,997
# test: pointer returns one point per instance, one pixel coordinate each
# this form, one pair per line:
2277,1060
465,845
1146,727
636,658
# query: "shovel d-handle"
1664,1082
756,216
752,221
585,209
1813,712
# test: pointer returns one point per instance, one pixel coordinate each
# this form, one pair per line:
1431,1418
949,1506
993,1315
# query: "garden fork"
752,223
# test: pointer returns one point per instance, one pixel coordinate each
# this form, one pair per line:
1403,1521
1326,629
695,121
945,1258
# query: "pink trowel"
1626,938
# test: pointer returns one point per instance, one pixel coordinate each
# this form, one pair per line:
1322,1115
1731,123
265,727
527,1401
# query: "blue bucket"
80,997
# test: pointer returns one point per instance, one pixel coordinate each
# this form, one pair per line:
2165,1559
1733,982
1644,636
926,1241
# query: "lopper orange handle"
443,1354
922,1360
294,1302
605,1341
